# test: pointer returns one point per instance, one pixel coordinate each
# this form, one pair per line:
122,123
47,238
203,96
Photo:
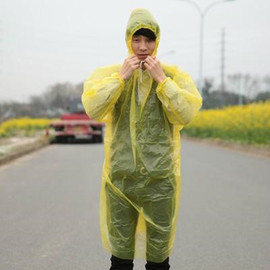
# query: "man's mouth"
142,56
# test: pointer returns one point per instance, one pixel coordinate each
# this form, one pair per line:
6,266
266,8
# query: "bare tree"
244,84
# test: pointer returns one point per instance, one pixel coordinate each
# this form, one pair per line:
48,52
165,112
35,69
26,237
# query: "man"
144,104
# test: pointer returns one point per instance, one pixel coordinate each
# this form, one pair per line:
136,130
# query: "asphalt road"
49,210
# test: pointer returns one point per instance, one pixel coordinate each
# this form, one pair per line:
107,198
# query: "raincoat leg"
122,221
161,212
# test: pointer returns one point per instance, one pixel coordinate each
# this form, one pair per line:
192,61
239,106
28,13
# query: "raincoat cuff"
161,85
117,76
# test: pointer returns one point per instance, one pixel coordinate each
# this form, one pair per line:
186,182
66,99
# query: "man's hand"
130,64
153,66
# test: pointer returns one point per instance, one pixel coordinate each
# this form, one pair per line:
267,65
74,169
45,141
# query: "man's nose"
143,46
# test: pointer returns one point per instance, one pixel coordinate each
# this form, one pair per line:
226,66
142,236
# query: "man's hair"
145,32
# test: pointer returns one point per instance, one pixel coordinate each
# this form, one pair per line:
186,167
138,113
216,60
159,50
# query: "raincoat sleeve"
101,91
179,97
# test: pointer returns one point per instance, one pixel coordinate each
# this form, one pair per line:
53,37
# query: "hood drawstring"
140,71
140,78
143,89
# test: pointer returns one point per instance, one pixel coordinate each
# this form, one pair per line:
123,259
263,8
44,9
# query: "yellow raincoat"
141,173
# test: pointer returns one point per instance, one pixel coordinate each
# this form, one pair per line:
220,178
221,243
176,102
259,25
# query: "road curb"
12,152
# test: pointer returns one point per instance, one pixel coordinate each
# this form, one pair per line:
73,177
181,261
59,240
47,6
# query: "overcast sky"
45,42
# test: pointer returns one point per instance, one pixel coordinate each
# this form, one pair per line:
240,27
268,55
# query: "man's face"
142,46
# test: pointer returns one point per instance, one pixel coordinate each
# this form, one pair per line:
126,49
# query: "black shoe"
158,266
121,264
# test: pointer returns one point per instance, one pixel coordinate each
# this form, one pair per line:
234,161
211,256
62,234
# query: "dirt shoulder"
12,148
252,149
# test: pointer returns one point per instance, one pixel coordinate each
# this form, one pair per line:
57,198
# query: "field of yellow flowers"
246,124
23,126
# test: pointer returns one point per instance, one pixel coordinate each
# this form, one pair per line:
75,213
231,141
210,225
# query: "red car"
77,125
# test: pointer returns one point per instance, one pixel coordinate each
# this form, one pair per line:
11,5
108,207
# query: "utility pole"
241,90
222,86
202,13
0,45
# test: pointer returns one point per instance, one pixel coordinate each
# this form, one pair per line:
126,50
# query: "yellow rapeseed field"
247,124
23,126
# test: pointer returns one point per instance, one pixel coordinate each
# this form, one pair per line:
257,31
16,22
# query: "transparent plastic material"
141,174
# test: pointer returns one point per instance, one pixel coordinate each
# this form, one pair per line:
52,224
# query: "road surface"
49,210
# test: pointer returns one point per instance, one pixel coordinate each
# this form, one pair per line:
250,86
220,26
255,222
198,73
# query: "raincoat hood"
141,18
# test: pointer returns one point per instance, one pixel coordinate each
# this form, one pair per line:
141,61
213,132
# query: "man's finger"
133,57
147,66
134,60
150,60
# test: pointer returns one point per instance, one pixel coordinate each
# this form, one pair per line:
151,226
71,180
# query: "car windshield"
75,106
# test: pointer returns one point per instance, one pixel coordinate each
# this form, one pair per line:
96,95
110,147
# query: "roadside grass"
248,124
23,127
